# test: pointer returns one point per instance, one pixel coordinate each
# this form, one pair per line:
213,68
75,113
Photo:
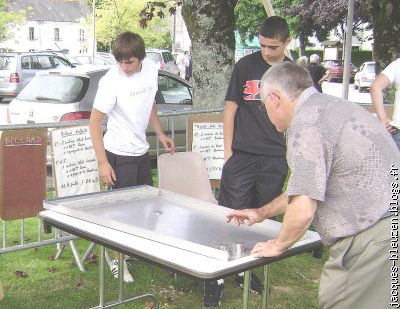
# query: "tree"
386,24
116,16
7,18
249,14
211,28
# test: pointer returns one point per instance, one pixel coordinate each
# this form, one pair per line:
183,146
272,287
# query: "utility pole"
347,50
94,29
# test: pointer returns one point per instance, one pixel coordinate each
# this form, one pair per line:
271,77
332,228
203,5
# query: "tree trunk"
211,28
386,25
302,46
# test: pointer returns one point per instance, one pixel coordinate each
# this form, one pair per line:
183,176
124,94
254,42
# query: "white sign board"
208,140
74,161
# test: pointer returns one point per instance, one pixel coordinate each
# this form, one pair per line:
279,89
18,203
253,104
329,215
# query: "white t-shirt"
392,72
128,101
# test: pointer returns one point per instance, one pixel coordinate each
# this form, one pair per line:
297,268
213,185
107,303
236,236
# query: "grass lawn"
32,279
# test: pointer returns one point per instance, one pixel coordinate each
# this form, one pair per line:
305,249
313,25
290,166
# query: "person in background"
318,73
390,76
181,61
348,201
255,164
126,95
188,72
303,60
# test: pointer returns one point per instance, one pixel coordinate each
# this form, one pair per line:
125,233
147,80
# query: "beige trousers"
357,273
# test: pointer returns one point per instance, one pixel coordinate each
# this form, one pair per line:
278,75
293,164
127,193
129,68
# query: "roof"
51,10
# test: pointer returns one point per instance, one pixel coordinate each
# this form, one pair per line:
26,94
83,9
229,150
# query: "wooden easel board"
75,167
22,173
206,137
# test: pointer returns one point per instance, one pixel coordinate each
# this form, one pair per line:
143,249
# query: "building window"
31,33
81,35
56,34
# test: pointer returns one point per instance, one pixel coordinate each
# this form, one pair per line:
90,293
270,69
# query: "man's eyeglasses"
262,108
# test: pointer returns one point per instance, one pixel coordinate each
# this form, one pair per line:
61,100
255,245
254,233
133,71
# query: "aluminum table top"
172,229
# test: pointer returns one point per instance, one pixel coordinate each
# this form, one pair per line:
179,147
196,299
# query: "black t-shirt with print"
253,131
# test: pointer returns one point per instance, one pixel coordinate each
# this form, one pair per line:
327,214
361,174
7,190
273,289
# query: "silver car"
164,59
365,76
17,69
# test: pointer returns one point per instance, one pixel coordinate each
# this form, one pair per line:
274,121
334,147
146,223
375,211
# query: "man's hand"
227,155
168,143
386,122
269,248
240,216
107,174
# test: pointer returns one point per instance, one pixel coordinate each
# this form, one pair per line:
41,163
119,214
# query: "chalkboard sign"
74,161
22,173
206,136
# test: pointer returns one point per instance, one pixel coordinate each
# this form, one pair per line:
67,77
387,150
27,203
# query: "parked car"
98,59
67,95
164,59
365,76
17,69
335,68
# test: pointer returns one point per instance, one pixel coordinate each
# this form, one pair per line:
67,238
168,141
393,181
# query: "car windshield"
370,68
6,62
153,56
174,92
55,88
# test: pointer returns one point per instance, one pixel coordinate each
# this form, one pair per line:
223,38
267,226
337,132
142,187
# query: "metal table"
180,233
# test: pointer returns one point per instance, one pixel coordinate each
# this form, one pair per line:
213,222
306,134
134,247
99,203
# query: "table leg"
121,266
101,276
246,289
265,292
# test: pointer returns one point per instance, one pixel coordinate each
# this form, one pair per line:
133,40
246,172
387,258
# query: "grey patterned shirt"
340,155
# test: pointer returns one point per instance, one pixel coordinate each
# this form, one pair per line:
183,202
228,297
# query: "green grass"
58,284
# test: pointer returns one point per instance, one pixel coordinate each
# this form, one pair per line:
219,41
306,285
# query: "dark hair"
128,45
275,27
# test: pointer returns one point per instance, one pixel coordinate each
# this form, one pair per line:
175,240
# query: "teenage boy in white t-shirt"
126,94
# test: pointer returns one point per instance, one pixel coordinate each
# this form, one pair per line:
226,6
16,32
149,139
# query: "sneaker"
255,283
114,270
212,293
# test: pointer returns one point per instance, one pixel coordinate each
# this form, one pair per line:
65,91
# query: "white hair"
290,78
314,58
302,60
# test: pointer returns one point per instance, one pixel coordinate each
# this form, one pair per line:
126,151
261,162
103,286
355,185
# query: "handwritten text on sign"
74,161
208,139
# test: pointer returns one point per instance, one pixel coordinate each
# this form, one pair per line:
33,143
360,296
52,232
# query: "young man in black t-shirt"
255,163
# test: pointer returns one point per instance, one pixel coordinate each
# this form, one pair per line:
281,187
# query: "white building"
180,36
51,24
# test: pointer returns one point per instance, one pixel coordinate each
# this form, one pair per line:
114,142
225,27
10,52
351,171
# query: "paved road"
335,89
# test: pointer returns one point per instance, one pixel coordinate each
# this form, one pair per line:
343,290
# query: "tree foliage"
249,14
386,24
116,16
8,18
